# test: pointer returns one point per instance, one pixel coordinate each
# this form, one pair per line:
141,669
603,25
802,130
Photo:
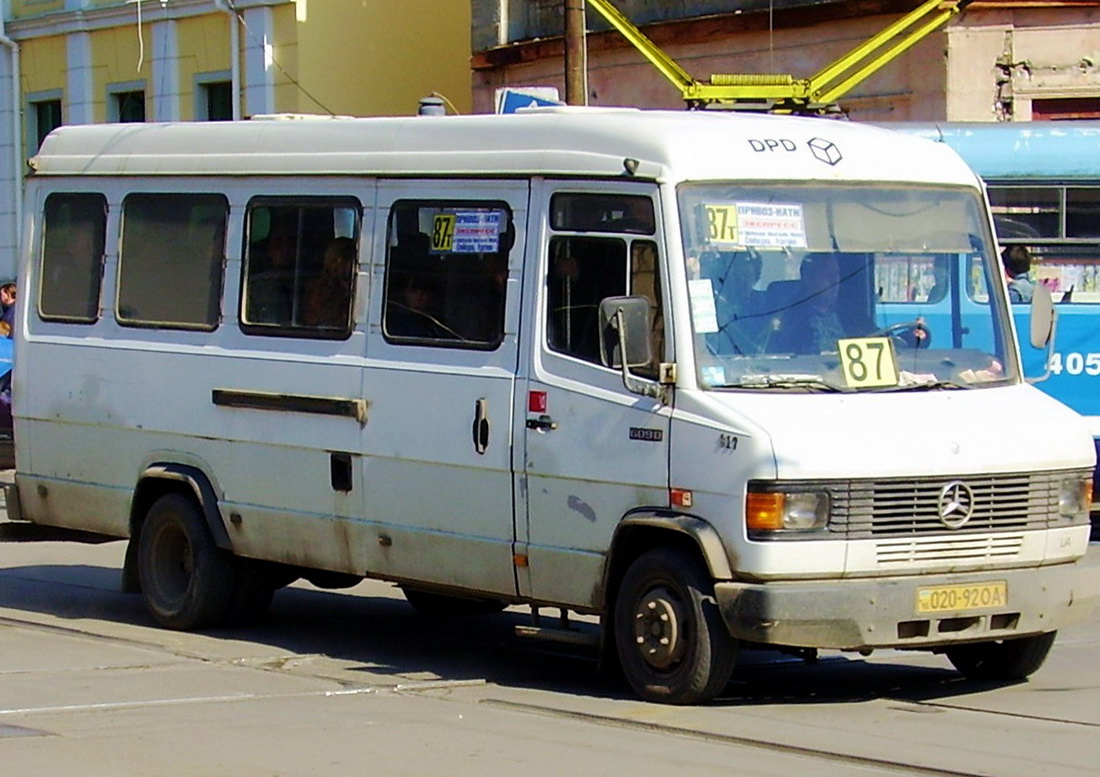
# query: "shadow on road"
383,636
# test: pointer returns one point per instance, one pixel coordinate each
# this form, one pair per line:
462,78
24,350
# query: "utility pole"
576,64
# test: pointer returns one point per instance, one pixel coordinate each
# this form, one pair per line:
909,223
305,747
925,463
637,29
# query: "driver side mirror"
629,333
625,326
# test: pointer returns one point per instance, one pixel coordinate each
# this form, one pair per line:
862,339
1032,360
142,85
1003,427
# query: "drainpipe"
234,54
17,141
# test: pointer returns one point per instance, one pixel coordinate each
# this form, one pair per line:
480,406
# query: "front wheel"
187,581
1008,659
672,643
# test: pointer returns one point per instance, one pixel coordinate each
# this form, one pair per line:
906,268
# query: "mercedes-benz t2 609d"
619,363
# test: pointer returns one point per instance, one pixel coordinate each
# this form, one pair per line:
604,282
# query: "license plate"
962,598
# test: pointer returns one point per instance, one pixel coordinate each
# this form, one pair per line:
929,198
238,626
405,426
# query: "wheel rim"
174,566
659,628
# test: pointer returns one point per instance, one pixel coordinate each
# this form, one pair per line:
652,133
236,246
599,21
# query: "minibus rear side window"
171,259
446,273
301,262
74,227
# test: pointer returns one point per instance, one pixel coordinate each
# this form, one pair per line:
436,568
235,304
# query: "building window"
45,116
1065,108
213,97
126,102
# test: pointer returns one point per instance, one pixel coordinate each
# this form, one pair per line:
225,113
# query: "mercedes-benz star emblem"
955,505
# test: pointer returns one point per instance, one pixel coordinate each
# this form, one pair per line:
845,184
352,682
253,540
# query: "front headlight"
773,514
1075,498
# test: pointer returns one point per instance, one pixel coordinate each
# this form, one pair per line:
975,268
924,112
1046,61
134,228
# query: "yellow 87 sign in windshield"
868,362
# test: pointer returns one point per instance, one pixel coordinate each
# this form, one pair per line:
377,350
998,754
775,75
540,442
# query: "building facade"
1002,60
91,61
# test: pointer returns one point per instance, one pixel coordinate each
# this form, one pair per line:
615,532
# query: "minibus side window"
74,227
171,259
301,261
446,273
585,269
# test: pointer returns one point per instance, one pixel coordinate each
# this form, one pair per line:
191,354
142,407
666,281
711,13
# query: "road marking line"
116,705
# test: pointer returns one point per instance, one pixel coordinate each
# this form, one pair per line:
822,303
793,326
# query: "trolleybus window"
1058,225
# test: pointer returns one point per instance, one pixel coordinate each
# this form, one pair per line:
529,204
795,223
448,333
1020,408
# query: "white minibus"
626,364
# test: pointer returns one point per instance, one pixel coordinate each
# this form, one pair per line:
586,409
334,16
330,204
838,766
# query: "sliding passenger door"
440,381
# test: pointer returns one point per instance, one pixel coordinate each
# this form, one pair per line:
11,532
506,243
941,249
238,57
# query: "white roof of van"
668,145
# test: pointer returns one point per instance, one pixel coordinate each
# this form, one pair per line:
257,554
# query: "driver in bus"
812,324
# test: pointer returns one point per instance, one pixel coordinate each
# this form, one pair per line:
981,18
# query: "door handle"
481,426
543,423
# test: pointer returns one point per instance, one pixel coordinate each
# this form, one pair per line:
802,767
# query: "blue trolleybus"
1044,188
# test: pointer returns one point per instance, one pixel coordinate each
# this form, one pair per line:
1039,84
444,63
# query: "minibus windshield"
843,288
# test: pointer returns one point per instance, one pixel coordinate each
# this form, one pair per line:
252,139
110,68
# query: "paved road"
355,683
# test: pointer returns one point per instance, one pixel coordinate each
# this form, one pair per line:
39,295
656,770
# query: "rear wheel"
672,643
1008,659
186,580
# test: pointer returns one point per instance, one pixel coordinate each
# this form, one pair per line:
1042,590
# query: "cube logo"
825,150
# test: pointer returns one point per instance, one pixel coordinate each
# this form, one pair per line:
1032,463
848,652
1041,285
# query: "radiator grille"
948,550
865,509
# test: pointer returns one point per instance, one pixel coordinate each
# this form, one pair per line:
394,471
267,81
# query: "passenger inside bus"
271,276
411,310
1017,262
328,297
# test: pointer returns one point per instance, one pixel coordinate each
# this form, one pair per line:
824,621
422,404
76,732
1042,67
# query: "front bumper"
882,612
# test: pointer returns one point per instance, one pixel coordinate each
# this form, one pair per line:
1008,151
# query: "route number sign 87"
868,362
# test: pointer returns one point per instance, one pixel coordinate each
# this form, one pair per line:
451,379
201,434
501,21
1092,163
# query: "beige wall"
116,56
381,57
43,64
359,57
203,48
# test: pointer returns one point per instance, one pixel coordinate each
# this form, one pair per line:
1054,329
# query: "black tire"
1009,659
672,644
186,580
445,606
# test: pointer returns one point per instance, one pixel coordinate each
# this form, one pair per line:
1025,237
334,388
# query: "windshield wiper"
925,386
801,382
